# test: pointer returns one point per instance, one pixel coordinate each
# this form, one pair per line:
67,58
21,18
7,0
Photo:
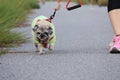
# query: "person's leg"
115,20
114,14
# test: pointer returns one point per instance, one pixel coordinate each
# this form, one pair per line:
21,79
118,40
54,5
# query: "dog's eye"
35,27
49,28
45,33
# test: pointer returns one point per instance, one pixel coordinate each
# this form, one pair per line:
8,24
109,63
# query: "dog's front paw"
41,52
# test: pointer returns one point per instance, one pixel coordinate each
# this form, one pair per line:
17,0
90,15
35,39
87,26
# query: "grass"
12,13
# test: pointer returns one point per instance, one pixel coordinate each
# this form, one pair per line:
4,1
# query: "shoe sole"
115,50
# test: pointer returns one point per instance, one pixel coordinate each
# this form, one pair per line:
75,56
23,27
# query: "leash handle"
73,7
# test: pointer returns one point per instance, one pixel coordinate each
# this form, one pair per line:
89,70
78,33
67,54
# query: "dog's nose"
42,36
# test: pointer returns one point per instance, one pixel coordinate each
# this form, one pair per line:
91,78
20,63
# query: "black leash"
53,15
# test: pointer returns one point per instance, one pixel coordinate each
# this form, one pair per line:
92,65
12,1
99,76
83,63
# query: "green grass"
12,13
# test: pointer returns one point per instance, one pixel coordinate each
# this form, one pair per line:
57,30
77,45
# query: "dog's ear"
35,28
50,30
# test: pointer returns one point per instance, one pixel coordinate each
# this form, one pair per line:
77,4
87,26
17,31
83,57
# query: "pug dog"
43,33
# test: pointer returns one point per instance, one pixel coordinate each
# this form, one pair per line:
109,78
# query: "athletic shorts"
113,4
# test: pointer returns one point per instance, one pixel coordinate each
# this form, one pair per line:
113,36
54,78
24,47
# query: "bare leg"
115,20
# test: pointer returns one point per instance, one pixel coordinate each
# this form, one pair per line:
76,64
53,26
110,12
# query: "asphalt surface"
81,51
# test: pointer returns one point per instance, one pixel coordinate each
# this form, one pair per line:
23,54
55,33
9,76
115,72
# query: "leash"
67,7
55,10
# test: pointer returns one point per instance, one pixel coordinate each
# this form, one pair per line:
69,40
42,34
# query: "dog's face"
43,31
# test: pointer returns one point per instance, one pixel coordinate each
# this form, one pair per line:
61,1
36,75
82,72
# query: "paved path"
81,51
